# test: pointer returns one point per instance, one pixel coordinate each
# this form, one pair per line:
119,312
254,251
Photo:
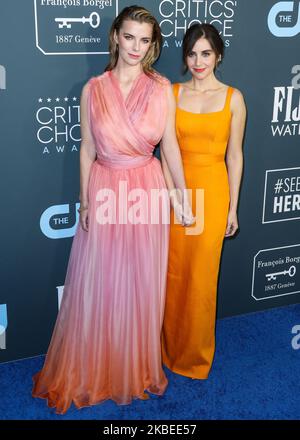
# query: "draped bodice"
126,131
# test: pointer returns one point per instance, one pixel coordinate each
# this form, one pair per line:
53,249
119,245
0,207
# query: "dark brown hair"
141,15
197,31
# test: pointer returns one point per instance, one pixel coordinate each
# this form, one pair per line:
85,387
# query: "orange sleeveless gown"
188,335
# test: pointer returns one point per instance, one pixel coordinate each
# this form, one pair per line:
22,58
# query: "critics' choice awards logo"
73,27
60,221
176,16
284,19
286,107
276,272
282,195
58,124
3,326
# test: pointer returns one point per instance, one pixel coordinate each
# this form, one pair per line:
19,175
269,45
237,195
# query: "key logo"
284,19
273,275
93,20
3,326
77,27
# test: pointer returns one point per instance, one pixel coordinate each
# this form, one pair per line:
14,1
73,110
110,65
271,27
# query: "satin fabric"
188,336
106,340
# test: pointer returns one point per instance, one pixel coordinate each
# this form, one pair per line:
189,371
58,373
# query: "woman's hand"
188,217
184,216
178,211
232,224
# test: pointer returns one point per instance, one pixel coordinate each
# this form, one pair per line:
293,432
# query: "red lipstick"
199,70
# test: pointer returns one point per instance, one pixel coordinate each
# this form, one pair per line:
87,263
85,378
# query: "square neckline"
209,113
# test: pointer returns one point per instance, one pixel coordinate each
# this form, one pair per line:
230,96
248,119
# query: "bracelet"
82,209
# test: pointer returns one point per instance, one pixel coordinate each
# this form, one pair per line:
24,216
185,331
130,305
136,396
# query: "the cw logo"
58,216
279,11
3,326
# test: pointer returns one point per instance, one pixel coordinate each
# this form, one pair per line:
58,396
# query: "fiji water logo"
60,221
3,326
281,19
286,107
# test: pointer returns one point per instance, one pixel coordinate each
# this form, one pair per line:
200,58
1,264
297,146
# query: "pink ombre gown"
106,340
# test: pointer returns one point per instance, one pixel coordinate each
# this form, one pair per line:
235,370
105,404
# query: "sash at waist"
125,163
201,158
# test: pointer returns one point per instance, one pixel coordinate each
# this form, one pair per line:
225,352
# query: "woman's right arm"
87,156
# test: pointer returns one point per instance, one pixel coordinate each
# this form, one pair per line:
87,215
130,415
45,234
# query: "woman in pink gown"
106,340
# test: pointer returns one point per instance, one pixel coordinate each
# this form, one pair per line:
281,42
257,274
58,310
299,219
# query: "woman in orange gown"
210,120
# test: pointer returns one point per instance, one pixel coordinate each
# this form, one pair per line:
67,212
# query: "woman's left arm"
234,158
172,161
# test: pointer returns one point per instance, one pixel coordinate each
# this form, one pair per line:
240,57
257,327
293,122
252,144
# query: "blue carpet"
255,375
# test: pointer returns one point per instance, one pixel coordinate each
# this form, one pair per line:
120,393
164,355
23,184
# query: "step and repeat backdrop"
48,50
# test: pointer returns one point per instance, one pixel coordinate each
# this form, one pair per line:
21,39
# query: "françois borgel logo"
58,124
73,27
286,107
276,272
176,16
282,195
284,19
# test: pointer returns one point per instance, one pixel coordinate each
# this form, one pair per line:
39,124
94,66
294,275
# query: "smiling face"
201,61
134,40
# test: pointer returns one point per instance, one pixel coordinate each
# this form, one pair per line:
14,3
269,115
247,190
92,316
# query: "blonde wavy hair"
141,15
